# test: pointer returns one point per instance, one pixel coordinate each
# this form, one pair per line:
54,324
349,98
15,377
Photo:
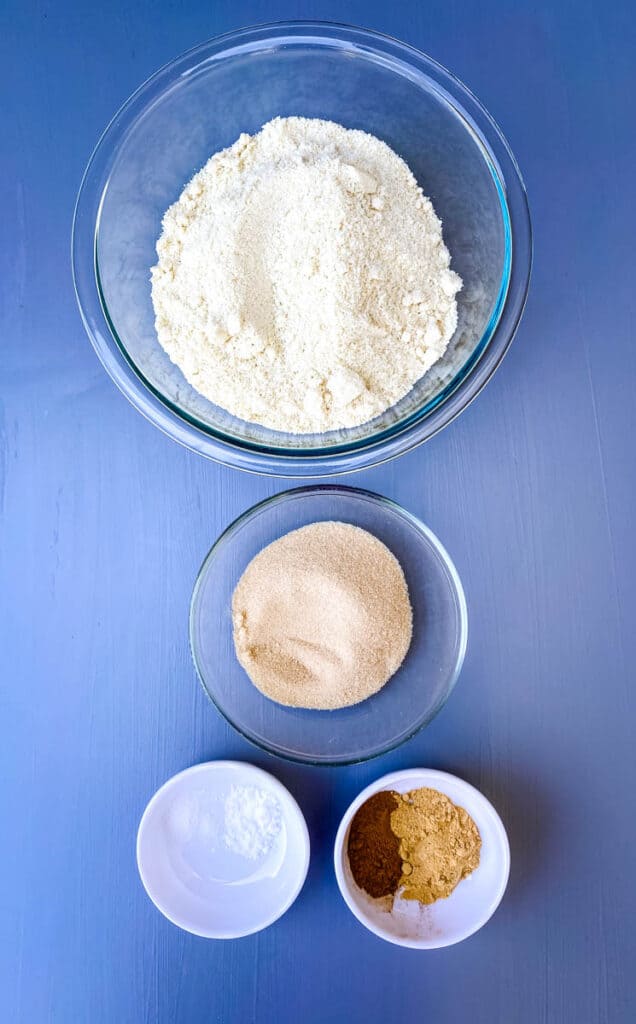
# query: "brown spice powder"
373,848
439,844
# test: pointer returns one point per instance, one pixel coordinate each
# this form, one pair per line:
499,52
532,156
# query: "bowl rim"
428,776
294,808
430,537
365,452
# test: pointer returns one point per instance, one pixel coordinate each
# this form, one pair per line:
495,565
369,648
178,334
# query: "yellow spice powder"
439,844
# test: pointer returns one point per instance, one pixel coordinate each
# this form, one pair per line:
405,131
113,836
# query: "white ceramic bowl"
468,907
191,875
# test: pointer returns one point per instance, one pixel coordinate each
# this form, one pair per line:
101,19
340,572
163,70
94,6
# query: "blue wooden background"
105,522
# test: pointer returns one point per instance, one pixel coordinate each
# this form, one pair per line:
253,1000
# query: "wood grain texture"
105,522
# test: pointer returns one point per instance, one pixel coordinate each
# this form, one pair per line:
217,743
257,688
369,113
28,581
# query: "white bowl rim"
425,776
291,807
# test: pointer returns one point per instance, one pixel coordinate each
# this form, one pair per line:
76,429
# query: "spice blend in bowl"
421,858
417,843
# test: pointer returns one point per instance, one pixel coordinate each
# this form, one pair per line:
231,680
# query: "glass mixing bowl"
200,103
411,697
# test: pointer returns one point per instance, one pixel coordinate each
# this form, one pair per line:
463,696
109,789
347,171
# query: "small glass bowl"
200,103
411,697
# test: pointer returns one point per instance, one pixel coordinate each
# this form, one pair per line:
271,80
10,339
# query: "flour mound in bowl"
302,280
322,617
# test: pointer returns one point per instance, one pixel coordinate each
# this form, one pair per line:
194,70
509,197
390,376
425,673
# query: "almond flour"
302,280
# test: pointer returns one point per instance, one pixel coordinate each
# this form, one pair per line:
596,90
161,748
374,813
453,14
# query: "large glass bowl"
411,697
199,104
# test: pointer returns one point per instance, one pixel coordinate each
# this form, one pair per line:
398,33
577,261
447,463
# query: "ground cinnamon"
374,849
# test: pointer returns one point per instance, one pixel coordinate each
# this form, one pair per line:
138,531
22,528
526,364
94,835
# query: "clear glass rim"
353,492
339,458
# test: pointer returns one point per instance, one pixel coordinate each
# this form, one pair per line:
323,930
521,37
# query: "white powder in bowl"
302,280
252,821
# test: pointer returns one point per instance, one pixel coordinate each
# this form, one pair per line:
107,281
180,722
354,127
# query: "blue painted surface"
105,522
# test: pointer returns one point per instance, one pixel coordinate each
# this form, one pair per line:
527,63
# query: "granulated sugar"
302,280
